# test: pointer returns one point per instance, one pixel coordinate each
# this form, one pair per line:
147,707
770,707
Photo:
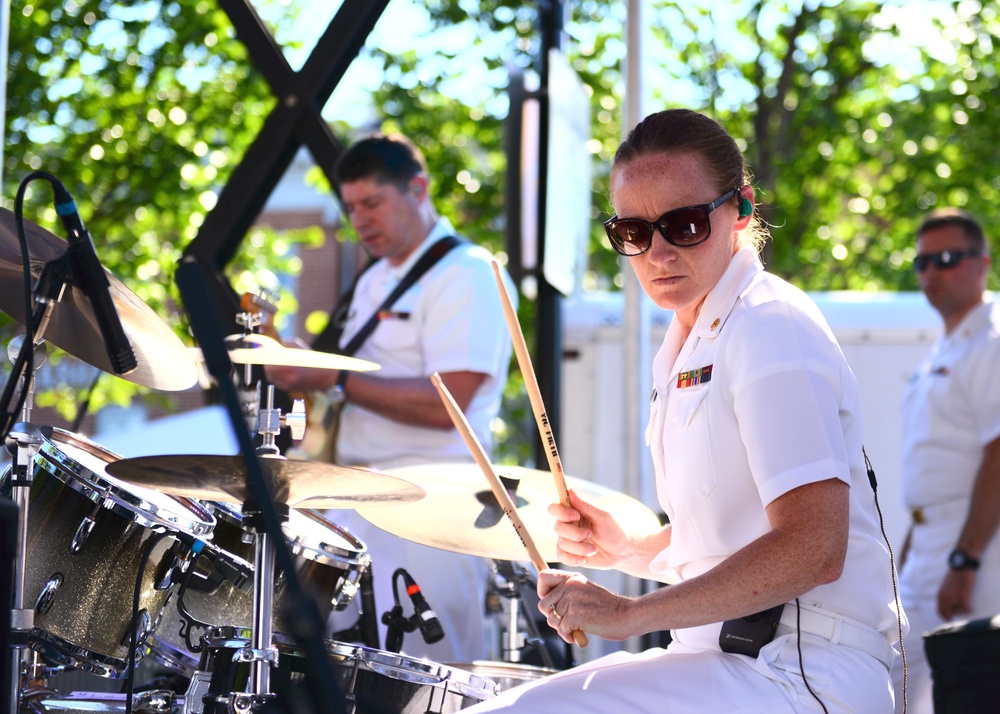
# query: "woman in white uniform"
783,598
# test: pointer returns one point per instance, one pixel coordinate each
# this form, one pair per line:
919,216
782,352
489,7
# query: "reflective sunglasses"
683,227
945,260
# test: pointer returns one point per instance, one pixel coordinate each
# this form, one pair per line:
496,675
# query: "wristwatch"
958,559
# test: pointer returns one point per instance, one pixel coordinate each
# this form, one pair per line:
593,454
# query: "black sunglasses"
944,260
683,227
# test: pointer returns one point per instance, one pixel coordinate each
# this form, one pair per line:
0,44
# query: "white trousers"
686,680
919,582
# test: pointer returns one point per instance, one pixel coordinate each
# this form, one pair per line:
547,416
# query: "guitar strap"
329,339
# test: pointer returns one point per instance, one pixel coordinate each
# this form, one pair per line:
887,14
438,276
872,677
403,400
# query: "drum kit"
164,558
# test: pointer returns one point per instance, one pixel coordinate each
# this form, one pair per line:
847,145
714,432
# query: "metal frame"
295,121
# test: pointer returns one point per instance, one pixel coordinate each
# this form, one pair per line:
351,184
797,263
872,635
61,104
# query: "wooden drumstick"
534,394
504,499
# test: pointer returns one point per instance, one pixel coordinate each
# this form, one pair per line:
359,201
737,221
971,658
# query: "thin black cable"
133,644
84,407
798,643
28,356
892,569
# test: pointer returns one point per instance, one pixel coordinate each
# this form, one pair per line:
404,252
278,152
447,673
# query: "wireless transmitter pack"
747,635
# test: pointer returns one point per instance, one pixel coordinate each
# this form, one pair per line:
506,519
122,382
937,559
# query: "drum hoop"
197,521
413,669
64,652
320,550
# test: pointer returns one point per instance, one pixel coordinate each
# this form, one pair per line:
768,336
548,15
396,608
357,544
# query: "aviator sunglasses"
944,260
683,227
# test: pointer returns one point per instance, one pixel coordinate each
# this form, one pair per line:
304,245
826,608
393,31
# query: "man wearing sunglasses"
950,567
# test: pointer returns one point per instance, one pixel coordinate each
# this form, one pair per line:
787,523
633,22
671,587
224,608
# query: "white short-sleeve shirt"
758,401
951,410
450,320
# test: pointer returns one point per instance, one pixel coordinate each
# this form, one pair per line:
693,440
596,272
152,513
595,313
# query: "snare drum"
371,681
87,533
330,562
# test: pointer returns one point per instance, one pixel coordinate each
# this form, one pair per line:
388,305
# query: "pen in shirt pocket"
393,315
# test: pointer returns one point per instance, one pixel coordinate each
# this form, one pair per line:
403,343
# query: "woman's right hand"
587,535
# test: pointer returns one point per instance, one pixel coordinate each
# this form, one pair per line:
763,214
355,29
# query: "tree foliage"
853,126
142,110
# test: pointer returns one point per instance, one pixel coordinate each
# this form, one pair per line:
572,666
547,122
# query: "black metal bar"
548,337
301,98
193,281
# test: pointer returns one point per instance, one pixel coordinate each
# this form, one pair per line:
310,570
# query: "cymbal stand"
270,421
260,652
513,579
22,441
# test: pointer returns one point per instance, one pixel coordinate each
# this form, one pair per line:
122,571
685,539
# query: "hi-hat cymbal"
260,349
223,478
461,514
163,360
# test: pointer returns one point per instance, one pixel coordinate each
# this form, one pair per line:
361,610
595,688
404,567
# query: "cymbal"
260,349
223,478
461,514
163,360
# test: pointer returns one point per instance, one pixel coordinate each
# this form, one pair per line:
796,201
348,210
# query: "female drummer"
783,597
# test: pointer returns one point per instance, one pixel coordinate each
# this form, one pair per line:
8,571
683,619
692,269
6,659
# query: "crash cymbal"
260,349
163,360
460,513
223,478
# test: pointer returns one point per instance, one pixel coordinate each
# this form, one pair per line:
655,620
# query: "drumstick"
476,449
534,394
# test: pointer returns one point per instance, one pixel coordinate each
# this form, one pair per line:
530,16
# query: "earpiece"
746,208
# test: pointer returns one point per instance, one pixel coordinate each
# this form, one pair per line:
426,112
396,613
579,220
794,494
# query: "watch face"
959,560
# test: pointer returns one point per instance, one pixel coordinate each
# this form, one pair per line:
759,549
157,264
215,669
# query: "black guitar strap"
425,263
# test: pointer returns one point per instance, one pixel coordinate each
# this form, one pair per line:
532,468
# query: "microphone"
93,281
430,626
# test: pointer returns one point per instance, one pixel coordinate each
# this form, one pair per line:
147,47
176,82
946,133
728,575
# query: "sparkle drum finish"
219,593
87,533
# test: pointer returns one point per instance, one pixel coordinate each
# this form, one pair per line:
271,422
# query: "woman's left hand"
571,602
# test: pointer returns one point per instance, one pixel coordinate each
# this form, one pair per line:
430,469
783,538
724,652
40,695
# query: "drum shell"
85,621
372,681
329,561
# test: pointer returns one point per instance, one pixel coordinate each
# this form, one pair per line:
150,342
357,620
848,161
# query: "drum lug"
83,532
48,595
143,628
249,654
154,701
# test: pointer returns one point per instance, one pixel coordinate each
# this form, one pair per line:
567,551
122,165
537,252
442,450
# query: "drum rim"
195,520
319,550
306,545
388,664
64,652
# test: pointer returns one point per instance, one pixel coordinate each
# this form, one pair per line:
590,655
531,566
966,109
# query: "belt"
940,511
839,631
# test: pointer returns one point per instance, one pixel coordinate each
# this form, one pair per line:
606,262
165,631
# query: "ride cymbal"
223,478
163,360
461,514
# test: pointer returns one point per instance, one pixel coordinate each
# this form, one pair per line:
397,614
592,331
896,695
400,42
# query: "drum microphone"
91,279
430,626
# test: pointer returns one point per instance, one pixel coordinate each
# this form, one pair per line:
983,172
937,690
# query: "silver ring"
555,612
